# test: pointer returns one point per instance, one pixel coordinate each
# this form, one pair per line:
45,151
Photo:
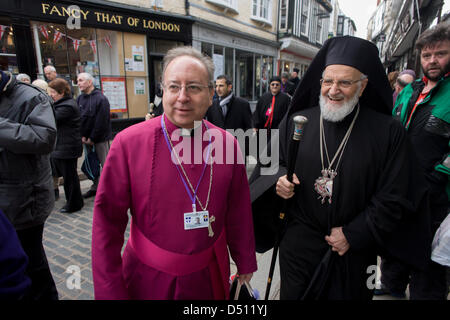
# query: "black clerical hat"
355,52
275,78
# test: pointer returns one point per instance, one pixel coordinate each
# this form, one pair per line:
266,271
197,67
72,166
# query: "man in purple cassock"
185,184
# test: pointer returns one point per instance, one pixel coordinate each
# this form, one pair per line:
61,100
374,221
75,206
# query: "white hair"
51,68
86,76
22,76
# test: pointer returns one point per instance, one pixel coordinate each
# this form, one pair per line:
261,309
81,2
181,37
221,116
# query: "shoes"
67,210
90,193
56,194
385,291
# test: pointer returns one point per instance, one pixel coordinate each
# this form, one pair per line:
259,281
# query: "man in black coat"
295,79
95,122
229,111
271,107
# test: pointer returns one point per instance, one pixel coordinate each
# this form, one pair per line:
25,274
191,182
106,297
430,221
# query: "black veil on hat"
354,52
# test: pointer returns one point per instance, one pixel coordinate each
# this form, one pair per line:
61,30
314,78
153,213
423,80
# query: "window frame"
286,14
305,22
265,20
225,4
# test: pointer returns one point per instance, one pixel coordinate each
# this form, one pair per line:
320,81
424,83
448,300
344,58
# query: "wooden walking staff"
299,123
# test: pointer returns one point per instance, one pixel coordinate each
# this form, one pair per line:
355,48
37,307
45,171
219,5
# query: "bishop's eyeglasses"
191,89
340,83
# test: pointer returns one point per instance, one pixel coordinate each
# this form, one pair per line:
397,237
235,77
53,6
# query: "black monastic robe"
370,196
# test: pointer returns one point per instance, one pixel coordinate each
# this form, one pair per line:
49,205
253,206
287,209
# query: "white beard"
337,114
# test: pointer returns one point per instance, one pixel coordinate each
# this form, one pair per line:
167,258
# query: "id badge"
195,220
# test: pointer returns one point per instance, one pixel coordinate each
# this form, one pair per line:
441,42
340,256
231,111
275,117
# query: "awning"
299,47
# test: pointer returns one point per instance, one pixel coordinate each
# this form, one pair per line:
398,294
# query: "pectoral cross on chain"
210,230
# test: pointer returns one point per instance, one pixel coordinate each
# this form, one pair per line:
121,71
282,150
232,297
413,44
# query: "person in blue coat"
13,262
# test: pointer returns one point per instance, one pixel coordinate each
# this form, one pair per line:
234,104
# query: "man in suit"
229,111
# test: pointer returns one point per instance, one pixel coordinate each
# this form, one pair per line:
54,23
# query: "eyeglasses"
327,83
274,84
191,89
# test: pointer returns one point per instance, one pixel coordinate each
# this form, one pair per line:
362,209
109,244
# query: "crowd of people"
370,178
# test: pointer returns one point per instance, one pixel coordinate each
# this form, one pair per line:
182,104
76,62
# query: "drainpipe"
186,7
278,37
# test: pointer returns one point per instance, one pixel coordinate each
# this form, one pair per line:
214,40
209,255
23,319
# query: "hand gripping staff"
299,123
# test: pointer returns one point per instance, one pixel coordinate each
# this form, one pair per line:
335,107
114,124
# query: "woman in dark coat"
68,143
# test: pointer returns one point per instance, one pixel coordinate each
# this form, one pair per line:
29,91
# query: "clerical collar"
185,132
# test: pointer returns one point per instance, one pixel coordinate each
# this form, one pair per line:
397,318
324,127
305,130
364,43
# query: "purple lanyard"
192,197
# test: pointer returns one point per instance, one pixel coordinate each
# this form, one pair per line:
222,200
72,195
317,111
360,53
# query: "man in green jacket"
423,108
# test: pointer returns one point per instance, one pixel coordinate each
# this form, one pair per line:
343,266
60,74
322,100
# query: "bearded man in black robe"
352,196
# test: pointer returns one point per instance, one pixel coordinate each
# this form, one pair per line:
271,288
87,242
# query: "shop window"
116,60
52,47
8,59
258,77
229,64
266,73
219,61
162,46
244,74
207,49
110,52
82,49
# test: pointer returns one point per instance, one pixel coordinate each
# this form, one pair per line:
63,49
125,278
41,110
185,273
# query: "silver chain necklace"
324,184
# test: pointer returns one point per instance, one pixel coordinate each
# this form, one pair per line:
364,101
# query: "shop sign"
108,19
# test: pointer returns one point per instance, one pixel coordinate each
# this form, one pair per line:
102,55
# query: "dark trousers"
429,284
67,168
42,284
101,149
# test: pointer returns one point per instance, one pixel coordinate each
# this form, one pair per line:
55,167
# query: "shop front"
121,46
248,61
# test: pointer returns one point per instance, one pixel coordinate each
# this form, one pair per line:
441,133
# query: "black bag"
241,292
91,164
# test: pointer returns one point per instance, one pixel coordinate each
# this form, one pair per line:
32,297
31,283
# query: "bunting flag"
57,37
76,44
44,31
93,46
2,30
108,42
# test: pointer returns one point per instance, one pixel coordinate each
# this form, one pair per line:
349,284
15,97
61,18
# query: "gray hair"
22,76
50,67
86,76
189,51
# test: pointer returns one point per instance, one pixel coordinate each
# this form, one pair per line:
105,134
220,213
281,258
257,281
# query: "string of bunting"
76,42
